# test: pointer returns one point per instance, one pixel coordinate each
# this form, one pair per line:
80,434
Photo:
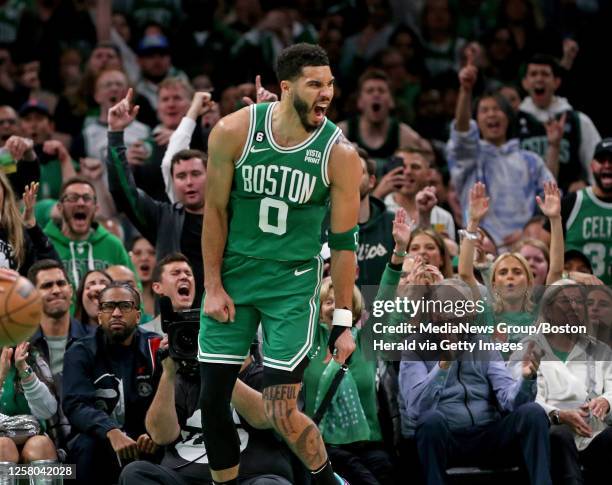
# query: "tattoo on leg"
300,433
310,447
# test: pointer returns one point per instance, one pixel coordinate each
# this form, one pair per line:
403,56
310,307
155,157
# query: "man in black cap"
587,215
155,66
56,164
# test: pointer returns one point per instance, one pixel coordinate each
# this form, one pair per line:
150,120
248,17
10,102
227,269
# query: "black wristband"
395,267
336,331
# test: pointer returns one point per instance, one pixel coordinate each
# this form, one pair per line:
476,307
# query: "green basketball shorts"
281,295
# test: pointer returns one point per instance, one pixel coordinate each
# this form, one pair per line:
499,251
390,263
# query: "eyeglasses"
72,198
109,306
47,285
8,121
569,301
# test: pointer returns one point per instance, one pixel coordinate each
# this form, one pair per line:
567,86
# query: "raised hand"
531,361
426,200
137,153
200,105
390,182
5,362
551,206
469,73
56,148
162,135
123,113
479,202
92,168
21,355
570,51
20,148
401,230
263,95
29,201
554,130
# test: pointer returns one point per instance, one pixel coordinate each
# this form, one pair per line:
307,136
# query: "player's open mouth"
320,110
376,107
80,216
539,90
113,99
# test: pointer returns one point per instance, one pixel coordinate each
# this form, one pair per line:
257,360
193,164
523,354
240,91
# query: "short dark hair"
124,286
546,60
187,155
503,104
73,181
291,60
372,74
43,265
370,162
166,260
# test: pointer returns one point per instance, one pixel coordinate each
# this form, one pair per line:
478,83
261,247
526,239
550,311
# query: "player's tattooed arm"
343,140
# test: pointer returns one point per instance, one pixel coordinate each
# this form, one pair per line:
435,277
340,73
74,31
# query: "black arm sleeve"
141,209
38,247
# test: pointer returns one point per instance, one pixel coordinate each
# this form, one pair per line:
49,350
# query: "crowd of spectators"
484,137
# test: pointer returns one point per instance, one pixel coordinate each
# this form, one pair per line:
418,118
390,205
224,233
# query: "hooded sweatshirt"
579,138
375,243
100,250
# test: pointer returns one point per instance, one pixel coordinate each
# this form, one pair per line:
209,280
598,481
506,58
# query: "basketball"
20,311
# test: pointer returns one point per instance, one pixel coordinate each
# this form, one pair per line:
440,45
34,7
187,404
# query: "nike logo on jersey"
298,273
257,150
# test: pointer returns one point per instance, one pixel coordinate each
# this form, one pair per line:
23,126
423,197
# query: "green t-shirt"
363,371
561,355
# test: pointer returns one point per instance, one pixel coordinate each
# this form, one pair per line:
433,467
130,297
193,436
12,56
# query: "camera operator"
174,419
172,277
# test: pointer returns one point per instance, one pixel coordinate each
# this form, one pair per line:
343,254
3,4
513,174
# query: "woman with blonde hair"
22,241
363,461
512,281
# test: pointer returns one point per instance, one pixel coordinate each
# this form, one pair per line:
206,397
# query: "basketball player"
273,168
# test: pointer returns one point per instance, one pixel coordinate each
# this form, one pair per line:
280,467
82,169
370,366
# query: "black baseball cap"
34,106
603,150
575,254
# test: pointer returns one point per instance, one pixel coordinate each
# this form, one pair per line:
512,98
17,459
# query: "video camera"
182,328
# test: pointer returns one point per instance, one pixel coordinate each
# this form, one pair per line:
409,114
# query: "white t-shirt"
439,217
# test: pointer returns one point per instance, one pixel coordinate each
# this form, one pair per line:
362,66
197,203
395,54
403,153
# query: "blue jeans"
521,436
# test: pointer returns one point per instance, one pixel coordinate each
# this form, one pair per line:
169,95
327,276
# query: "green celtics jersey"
589,230
279,194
